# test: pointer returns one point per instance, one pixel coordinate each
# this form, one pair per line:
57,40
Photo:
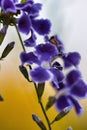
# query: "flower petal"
73,76
31,41
41,26
73,58
62,102
24,24
57,74
8,6
77,106
46,51
34,9
28,58
40,75
24,5
79,89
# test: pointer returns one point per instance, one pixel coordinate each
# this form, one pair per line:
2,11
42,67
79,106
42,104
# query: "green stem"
20,38
42,107
52,122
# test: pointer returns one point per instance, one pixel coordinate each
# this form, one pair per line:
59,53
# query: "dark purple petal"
0,3
55,84
46,51
46,38
62,102
28,58
67,64
57,74
34,10
31,41
24,24
79,89
41,26
8,6
40,75
73,76
77,106
58,86
73,58
61,86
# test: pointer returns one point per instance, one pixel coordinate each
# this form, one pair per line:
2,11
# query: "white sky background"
69,22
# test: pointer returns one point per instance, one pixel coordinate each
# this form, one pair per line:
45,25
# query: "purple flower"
71,90
41,26
28,13
42,56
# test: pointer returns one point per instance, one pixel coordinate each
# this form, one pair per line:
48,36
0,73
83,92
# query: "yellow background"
20,99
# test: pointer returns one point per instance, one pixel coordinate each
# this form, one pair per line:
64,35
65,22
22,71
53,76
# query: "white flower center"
45,65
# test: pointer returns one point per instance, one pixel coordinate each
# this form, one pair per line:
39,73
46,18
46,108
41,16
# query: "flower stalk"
39,99
20,38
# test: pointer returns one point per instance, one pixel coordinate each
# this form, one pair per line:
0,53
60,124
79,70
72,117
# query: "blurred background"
69,22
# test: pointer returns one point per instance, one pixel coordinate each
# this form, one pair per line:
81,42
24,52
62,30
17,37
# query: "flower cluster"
70,87
25,16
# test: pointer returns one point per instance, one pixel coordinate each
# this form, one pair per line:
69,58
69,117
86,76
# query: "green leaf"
24,71
23,1
63,113
38,122
40,90
50,103
7,50
3,33
1,98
